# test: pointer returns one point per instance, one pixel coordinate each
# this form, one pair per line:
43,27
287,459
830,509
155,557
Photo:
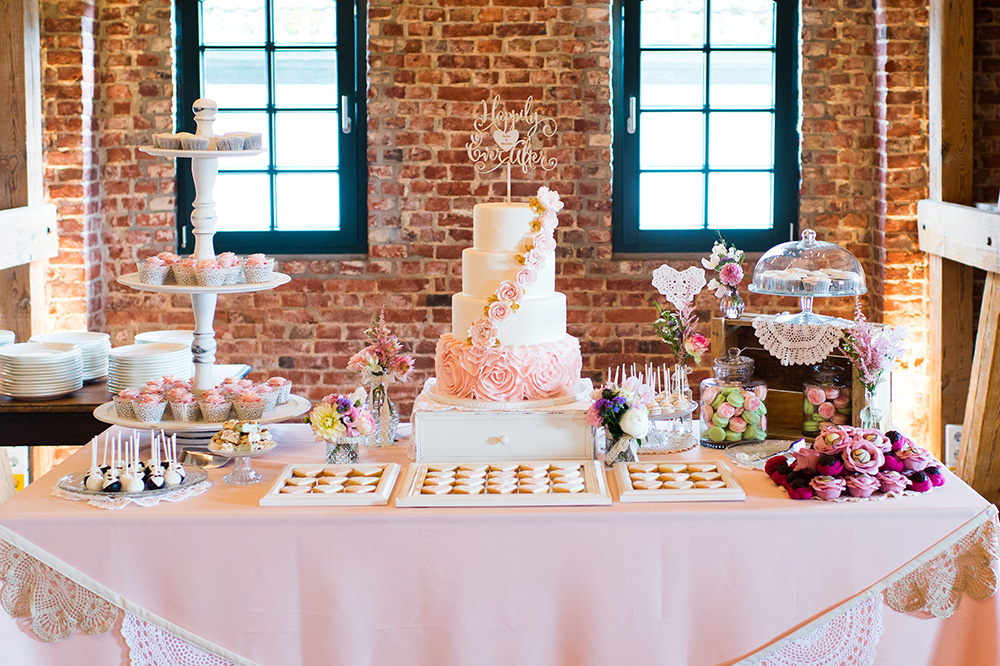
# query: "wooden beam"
28,233
950,100
961,233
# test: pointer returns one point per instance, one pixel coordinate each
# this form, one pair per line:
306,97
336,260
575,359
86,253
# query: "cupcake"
210,274
153,271
268,394
149,407
251,140
167,141
123,403
184,272
230,264
249,406
194,142
214,406
231,141
258,268
283,387
171,260
183,405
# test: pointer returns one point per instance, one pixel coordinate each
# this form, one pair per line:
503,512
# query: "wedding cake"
508,339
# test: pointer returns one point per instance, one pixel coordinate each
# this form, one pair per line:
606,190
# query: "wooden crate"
784,394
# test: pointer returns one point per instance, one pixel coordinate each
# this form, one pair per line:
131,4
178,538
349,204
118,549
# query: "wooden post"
950,161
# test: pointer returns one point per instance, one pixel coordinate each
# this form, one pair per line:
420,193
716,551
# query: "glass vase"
731,304
870,414
345,450
384,411
627,453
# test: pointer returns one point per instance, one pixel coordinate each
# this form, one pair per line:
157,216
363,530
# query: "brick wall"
864,91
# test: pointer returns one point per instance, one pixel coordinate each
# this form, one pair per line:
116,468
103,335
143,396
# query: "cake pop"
112,483
174,473
154,470
94,480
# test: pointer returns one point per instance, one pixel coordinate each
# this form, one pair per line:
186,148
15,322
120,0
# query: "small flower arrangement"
677,329
338,416
621,410
858,463
382,360
872,349
727,263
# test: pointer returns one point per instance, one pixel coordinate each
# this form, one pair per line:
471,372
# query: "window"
293,70
705,113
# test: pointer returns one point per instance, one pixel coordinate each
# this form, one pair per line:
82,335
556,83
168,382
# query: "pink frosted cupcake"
171,260
214,406
249,406
184,272
149,407
258,268
283,386
230,264
153,271
209,273
123,403
183,405
268,394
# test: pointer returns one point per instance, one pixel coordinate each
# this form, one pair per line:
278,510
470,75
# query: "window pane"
243,202
233,21
306,139
235,78
742,22
739,200
671,201
740,140
671,140
305,78
672,23
741,80
672,80
234,121
305,21
308,201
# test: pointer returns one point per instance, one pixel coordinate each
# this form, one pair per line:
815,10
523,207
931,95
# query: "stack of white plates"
39,370
132,366
95,348
185,337
6,338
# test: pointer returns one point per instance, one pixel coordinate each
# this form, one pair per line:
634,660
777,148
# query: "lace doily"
679,287
121,502
796,344
55,604
966,567
847,640
151,646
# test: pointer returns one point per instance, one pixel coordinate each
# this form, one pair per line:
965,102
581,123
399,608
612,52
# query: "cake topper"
502,137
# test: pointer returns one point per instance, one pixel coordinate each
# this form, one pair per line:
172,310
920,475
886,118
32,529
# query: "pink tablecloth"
680,583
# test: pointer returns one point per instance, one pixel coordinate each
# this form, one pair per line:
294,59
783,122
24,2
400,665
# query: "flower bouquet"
727,263
857,463
342,422
873,350
622,412
380,363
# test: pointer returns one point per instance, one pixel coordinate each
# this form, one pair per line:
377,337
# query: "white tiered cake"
508,375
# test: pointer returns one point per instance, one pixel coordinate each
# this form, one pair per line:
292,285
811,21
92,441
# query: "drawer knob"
504,439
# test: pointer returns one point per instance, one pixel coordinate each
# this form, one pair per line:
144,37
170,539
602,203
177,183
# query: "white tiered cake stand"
204,170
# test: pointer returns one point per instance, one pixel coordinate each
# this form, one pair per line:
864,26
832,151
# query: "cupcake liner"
229,142
195,143
251,140
284,391
185,411
256,274
167,141
271,401
149,412
124,408
153,274
185,275
232,274
214,277
249,411
214,413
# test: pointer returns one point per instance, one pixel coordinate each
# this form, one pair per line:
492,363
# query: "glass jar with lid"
732,403
826,399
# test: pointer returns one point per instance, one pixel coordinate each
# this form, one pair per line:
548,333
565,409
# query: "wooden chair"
6,476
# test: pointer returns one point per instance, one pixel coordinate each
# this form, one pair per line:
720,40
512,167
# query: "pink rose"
544,242
875,436
452,376
509,291
862,485
525,277
863,456
549,200
891,482
532,259
483,334
731,274
545,375
806,459
549,222
498,379
498,310
832,441
914,458
827,487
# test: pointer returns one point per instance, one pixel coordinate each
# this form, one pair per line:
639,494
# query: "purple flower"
343,404
601,404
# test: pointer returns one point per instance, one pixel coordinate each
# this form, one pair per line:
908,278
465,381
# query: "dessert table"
766,580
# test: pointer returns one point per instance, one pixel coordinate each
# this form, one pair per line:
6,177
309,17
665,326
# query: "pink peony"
525,277
545,375
731,274
509,291
863,456
498,380
498,310
483,334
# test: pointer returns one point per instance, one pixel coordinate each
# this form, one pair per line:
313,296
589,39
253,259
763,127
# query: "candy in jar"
732,403
826,400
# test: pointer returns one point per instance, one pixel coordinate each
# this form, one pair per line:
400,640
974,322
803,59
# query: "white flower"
713,284
635,422
359,395
711,262
720,292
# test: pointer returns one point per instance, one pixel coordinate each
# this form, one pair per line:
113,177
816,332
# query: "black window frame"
626,235
352,237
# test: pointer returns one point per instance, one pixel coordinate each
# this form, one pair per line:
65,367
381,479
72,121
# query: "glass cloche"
807,269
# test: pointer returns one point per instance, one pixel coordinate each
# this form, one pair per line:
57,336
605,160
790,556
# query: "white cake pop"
94,481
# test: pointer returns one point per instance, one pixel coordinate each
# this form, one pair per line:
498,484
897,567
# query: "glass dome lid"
808,268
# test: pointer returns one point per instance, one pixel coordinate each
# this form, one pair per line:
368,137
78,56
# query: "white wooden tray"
627,492
594,493
380,496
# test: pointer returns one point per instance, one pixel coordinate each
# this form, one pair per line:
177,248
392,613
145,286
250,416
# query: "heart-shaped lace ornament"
679,287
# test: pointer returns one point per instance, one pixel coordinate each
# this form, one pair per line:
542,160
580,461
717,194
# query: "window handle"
345,116
630,123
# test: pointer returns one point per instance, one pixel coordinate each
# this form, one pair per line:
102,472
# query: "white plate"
39,352
132,280
294,408
167,152
82,338
176,337
130,353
